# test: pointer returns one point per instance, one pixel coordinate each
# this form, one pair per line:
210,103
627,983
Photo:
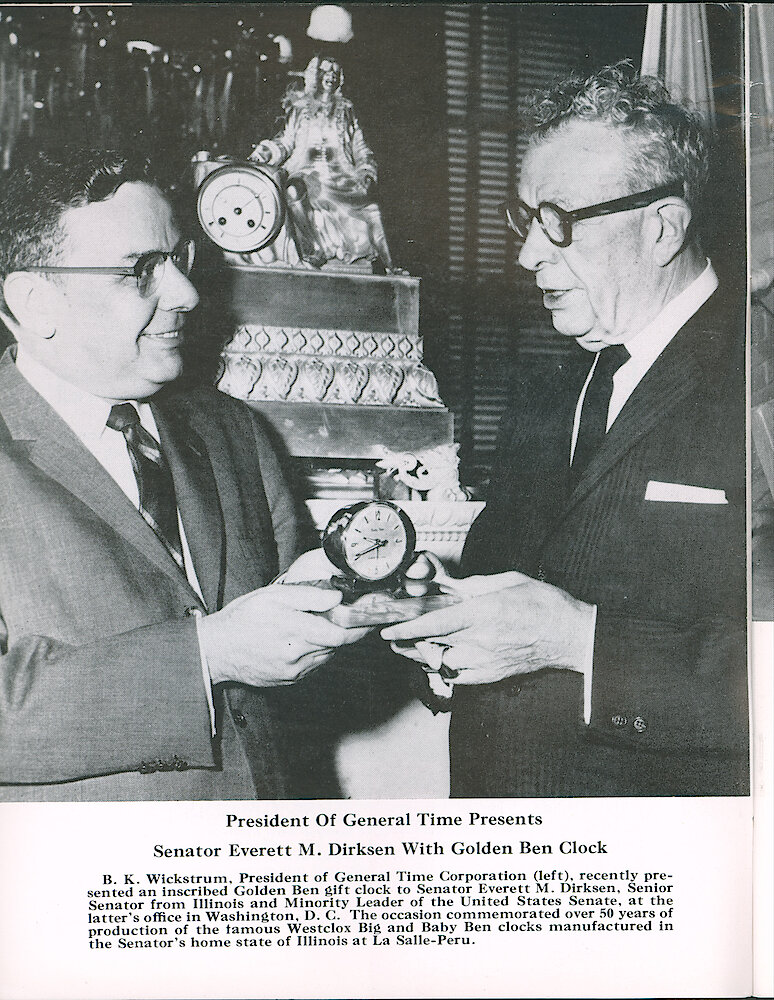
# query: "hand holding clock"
278,633
500,626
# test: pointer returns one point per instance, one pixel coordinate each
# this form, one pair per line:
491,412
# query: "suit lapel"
197,499
53,448
676,373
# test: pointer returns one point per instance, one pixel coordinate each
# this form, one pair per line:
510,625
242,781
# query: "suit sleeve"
293,530
54,729
675,687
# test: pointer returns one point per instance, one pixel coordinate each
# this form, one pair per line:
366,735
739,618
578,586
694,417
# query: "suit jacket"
101,688
669,687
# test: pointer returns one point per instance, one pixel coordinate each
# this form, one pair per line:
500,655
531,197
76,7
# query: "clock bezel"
254,169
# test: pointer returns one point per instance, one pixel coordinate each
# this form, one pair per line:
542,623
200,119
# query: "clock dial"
240,207
375,543
371,542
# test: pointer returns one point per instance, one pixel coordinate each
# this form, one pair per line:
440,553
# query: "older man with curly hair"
602,649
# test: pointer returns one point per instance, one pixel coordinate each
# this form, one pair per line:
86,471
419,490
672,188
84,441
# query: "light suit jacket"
101,688
669,688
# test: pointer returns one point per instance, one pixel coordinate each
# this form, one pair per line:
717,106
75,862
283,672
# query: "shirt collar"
653,338
85,413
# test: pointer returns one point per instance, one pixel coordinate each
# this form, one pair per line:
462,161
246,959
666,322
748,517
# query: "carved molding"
327,379
259,339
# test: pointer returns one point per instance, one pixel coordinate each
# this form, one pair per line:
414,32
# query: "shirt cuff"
206,677
588,669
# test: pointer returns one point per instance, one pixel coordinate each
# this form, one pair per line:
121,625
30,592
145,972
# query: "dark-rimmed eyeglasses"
148,269
557,222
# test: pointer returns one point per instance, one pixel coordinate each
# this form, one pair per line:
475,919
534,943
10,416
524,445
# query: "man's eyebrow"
135,255
562,201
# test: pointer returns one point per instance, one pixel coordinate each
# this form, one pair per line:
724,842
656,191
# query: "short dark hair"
35,194
668,140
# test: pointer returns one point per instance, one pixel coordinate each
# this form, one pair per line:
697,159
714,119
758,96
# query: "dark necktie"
596,403
154,480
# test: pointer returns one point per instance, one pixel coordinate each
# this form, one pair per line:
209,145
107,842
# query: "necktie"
596,402
154,480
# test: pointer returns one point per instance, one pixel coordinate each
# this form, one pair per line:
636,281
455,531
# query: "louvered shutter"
496,55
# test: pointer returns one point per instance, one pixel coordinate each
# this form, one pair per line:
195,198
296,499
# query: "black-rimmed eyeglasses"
557,222
147,269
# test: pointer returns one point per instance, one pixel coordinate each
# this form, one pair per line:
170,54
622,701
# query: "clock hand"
380,543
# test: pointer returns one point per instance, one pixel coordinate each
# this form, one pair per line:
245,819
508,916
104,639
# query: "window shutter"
496,55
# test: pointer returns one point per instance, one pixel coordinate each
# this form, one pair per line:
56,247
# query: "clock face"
372,541
240,207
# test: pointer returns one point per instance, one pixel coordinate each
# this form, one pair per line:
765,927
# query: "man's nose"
176,292
537,249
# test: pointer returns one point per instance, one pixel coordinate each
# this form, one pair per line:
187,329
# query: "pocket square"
680,493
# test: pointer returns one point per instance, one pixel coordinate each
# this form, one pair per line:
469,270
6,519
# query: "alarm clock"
371,543
241,206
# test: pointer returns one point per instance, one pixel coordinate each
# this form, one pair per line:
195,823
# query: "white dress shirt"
647,345
644,348
86,415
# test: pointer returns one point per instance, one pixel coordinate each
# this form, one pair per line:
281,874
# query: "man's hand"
521,627
311,567
273,636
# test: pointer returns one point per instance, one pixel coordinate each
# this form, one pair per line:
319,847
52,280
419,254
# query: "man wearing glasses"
139,528
602,649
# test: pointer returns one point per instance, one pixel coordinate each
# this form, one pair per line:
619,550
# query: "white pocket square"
680,493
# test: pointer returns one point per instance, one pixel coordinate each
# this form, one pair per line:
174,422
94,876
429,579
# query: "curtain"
762,67
676,48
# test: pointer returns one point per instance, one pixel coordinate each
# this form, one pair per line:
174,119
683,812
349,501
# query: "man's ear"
29,305
671,218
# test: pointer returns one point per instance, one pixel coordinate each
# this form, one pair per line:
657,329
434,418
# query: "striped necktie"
596,403
154,480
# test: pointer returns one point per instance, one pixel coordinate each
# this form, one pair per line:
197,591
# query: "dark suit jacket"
101,688
669,692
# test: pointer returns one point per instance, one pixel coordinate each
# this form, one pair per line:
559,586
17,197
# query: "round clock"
240,207
371,542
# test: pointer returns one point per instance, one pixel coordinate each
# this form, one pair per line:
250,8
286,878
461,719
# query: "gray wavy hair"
668,141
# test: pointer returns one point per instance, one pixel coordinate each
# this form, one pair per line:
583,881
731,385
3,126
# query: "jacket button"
194,612
640,724
619,720
240,719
